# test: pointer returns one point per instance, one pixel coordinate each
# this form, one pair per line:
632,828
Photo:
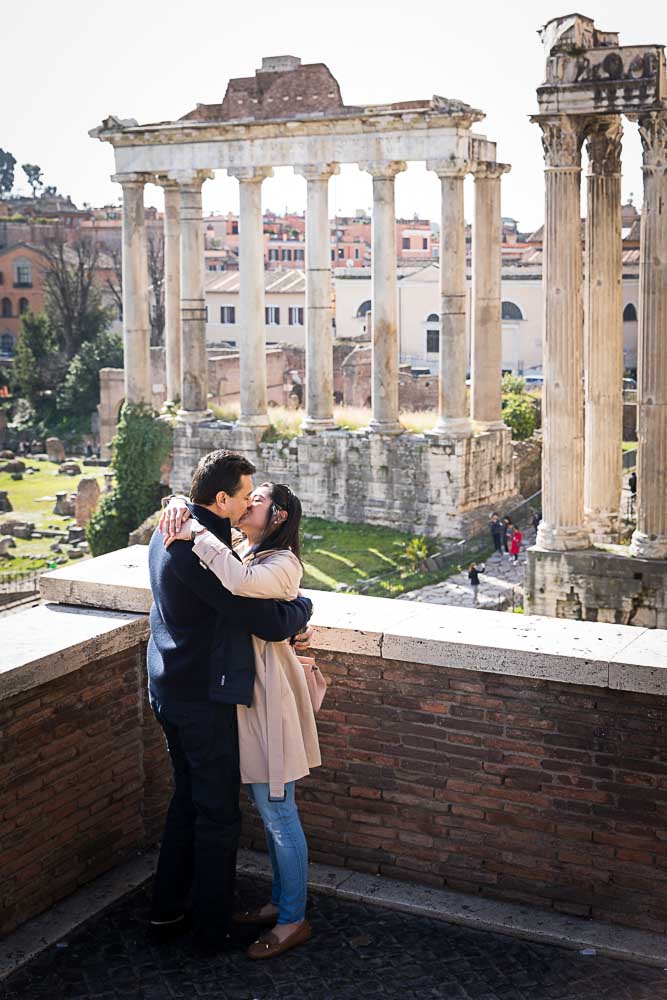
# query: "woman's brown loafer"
268,945
256,917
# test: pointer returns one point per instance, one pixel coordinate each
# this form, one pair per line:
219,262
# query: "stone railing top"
615,656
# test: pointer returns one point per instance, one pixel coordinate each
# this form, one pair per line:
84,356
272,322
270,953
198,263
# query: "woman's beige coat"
277,734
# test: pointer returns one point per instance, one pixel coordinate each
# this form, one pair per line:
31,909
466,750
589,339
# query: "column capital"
603,145
383,169
562,136
449,168
189,178
317,171
653,134
133,179
251,175
484,170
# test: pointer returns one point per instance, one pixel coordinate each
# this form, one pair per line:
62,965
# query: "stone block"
69,469
55,450
5,503
13,466
64,506
6,454
87,499
6,543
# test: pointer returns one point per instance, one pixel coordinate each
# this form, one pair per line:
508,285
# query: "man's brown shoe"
256,917
269,945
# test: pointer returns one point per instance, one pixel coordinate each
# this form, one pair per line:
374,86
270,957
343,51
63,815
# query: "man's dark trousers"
203,822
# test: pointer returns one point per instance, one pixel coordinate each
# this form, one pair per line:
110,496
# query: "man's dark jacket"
200,647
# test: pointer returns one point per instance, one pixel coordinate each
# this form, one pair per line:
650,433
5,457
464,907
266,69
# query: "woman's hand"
184,533
173,516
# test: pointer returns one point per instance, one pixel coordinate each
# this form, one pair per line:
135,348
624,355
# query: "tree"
140,448
73,300
7,164
34,175
79,393
36,370
155,254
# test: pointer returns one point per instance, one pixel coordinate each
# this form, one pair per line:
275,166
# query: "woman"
277,734
515,545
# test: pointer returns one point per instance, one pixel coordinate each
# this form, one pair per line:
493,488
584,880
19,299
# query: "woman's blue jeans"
287,849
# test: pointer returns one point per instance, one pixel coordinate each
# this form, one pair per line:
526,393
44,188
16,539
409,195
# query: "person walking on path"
278,741
473,576
201,665
515,544
496,529
508,528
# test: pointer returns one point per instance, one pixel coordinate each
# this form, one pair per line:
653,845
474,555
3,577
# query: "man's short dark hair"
219,470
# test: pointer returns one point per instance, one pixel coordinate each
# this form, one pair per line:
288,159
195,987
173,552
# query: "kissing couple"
232,698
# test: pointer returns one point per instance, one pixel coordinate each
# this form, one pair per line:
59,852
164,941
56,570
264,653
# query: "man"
200,666
496,529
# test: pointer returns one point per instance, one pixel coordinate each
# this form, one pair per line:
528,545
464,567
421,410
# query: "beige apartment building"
284,307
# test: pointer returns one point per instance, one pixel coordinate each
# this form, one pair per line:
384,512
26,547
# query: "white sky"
68,65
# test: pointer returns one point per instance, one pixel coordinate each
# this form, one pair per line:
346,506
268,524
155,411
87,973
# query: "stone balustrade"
506,756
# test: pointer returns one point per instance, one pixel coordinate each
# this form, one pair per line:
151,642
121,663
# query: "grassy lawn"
351,554
33,499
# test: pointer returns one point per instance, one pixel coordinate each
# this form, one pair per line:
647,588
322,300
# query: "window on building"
272,315
341,253
206,312
22,272
357,253
406,242
364,308
228,314
235,228
630,313
433,341
299,255
24,306
424,243
287,253
273,254
295,316
333,254
511,311
6,345
6,308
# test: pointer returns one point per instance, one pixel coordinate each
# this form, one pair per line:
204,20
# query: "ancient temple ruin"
290,114
575,569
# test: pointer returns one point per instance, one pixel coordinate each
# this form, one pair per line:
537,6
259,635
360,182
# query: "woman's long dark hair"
286,534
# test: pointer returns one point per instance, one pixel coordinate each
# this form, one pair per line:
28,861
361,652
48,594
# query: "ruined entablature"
588,72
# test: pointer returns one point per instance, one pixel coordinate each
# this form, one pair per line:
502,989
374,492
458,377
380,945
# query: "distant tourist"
536,518
632,483
473,576
496,529
506,535
201,665
515,545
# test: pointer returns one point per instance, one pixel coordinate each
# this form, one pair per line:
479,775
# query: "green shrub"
140,448
513,383
519,415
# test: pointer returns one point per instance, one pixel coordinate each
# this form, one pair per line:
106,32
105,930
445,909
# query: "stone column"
563,399
172,288
194,365
650,539
136,325
603,332
486,328
252,343
384,299
452,409
319,332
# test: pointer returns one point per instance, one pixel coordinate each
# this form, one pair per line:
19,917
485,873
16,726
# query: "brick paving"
356,952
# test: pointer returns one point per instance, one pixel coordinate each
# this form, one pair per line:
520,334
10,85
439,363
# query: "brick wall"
83,782
537,791
518,789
